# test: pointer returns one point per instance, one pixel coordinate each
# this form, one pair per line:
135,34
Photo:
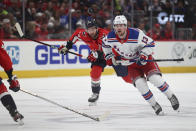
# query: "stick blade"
104,116
17,25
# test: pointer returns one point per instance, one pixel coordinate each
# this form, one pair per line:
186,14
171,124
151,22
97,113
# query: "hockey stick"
17,25
160,60
67,108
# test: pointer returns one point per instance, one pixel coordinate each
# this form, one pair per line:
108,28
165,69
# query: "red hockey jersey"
94,44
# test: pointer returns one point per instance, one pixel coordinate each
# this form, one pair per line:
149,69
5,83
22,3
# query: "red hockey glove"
14,84
142,60
93,56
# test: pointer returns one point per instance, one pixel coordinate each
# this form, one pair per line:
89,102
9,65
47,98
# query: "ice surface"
129,111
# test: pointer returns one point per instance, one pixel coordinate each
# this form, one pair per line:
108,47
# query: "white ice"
129,111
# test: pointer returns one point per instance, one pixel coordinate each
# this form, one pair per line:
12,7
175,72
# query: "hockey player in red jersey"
5,97
128,51
92,36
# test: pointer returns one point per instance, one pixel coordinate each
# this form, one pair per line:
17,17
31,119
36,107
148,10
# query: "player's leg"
95,82
9,103
141,85
136,76
162,85
153,73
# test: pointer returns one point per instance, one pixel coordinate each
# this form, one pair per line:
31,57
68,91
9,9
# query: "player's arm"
6,63
147,46
108,54
63,49
97,55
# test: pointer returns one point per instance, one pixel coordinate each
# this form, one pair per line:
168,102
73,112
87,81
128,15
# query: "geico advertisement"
27,55
175,50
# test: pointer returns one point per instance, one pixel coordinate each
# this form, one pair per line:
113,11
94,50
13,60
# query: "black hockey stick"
162,60
153,60
67,108
17,25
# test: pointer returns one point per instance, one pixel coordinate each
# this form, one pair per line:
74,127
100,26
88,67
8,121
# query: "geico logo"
14,53
46,55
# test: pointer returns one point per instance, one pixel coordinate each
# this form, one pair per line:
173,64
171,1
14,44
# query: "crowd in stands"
49,19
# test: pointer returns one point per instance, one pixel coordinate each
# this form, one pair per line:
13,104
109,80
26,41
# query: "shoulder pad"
111,34
134,33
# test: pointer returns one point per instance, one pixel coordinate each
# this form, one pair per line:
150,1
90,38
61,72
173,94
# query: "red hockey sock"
96,73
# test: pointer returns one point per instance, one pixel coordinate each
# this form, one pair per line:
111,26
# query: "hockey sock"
158,82
95,85
95,78
9,103
141,85
165,89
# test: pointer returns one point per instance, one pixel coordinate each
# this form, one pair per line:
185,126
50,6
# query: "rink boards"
31,59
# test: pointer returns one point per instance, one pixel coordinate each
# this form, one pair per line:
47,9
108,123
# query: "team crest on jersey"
129,55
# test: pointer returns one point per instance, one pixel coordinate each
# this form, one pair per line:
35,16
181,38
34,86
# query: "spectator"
3,12
108,25
142,26
166,33
51,30
30,12
167,7
155,7
155,33
42,32
80,24
57,12
181,35
7,30
180,9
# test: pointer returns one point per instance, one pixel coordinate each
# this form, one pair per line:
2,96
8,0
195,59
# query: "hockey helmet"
120,19
91,22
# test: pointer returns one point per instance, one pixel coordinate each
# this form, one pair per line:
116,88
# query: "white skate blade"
92,103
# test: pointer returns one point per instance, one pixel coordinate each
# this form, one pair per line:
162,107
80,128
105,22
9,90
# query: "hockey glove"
14,84
142,60
93,56
64,49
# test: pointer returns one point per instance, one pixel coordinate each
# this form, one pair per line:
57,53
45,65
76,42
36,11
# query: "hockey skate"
174,102
17,117
158,110
93,99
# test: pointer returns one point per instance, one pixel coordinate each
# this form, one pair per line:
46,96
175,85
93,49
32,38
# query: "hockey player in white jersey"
128,50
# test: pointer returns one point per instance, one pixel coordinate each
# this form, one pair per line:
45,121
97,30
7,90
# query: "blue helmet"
91,22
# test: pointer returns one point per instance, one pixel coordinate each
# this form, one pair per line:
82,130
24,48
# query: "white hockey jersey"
129,48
